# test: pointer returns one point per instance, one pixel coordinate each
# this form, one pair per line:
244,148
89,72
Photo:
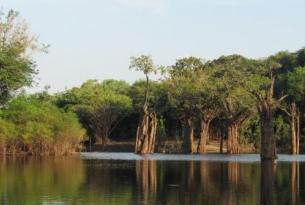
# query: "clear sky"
94,39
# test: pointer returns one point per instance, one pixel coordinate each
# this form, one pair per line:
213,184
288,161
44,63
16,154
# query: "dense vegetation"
29,124
231,99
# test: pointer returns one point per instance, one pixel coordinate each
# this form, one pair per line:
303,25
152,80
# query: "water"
118,179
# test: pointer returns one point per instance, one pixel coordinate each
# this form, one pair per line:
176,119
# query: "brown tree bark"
146,133
295,128
204,134
188,143
233,139
221,144
147,128
266,109
233,145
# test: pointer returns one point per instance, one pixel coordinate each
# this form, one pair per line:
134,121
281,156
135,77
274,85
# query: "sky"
94,39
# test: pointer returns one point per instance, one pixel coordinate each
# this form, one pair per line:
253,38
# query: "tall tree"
100,106
17,44
237,103
195,94
147,128
295,90
260,83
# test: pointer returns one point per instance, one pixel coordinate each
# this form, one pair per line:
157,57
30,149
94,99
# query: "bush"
39,128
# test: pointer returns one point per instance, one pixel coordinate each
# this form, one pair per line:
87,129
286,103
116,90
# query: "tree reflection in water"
295,182
268,169
146,172
109,182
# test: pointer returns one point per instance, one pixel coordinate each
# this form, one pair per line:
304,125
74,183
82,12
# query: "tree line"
233,99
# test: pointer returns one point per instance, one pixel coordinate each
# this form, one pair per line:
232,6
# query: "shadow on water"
109,182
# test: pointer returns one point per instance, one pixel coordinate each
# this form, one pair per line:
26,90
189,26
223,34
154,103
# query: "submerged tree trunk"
268,146
233,139
221,143
295,128
204,134
147,128
188,143
233,145
266,109
146,133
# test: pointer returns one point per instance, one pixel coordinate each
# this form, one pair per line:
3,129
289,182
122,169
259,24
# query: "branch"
285,110
282,98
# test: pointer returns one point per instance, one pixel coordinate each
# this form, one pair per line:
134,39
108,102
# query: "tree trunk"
204,133
268,146
147,128
295,128
266,109
233,139
221,144
189,137
146,133
233,145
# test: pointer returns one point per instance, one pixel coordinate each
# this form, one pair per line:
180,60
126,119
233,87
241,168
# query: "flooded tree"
100,106
147,128
260,83
295,90
194,93
237,104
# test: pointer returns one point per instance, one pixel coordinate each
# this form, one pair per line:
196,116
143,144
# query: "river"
125,178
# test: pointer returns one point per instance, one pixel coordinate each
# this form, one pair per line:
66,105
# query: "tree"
17,68
100,106
147,128
260,81
237,103
196,95
295,90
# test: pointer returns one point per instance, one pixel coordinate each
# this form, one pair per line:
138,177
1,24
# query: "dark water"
117,179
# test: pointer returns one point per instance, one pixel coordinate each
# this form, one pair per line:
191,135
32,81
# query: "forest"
233,99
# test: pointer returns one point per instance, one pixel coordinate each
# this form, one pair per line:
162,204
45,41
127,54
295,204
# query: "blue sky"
94,39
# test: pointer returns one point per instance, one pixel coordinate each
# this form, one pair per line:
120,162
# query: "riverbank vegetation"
232,99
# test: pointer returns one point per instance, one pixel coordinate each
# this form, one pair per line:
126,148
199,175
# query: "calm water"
118,179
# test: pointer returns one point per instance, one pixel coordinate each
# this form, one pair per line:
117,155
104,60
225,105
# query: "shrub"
39,128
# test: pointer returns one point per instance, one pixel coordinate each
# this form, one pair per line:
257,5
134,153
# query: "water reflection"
268,170
37,181
93,182
295,182
146,172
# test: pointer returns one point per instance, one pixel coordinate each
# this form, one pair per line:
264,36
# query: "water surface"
117,179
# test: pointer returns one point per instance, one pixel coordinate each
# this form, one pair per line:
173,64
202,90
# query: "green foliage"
17,69
282,133
40,128
296,84
143,63
100,106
